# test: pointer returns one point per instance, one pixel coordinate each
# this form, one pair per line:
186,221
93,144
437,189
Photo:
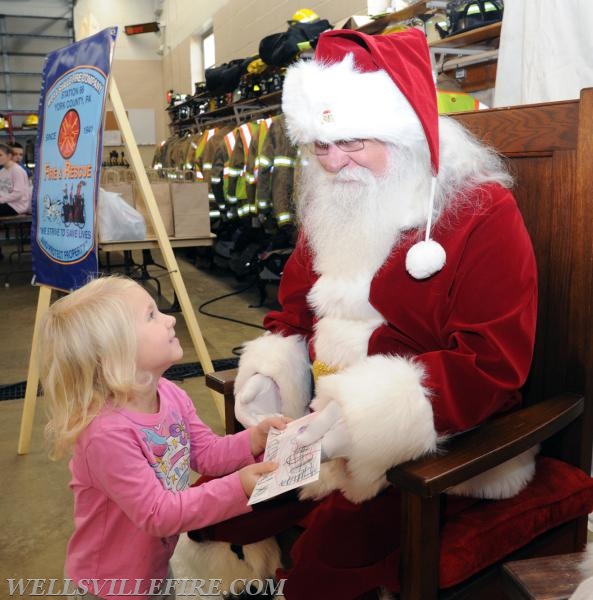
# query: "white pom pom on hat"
427,257
320,102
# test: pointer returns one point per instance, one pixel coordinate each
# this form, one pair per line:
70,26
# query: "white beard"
352,219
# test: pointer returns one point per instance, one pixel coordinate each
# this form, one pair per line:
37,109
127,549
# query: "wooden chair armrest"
487,446
223,382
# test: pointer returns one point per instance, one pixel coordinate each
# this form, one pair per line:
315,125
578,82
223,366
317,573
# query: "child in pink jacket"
134,437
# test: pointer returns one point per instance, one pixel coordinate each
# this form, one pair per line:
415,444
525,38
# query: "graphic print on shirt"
170,455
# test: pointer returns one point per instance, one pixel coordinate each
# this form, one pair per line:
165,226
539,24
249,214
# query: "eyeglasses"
322,148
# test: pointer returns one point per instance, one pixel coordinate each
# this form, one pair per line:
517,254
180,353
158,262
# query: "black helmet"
464,15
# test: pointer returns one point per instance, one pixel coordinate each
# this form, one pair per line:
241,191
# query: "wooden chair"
550,148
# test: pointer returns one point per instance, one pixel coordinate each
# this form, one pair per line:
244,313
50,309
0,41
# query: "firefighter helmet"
257,66
464,15
31,121
304,15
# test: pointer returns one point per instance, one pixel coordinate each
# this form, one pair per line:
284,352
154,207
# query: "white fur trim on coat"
504,481
286,361
343,297
216,561
346,319
340,342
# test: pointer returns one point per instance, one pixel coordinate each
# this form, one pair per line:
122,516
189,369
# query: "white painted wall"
184,18
91,16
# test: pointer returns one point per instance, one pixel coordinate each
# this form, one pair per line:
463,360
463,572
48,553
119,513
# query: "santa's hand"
257,399
329,426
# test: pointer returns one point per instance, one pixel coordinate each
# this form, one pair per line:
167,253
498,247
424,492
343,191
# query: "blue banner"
68,161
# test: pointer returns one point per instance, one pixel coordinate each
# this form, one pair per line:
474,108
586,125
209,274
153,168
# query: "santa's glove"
257,399
329,426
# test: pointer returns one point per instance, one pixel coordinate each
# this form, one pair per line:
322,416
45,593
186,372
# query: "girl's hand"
259,433
250,474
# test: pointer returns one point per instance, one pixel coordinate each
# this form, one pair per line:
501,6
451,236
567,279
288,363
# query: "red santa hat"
370,87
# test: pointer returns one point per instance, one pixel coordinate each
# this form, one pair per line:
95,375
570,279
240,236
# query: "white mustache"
354,174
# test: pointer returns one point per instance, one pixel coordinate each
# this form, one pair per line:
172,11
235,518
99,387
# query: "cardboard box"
354,22
162,195
191,211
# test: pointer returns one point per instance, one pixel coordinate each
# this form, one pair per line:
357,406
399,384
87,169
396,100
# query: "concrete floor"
35,501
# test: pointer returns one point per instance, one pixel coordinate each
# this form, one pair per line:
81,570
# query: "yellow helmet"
3,122
304,15
257,66
31,121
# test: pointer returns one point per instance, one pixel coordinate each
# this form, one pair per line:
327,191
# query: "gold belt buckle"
321,369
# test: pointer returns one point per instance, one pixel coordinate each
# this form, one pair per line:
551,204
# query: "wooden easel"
44,299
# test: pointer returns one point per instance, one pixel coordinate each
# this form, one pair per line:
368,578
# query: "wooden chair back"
550,149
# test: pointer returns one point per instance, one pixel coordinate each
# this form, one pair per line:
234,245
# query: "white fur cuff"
388,413
286,361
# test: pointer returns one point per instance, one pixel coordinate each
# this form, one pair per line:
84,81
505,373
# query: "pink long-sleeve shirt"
15,189
130,478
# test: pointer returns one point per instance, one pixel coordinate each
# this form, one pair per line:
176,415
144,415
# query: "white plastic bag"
118,221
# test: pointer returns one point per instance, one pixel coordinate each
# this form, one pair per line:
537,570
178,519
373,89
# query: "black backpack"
225,78
464,15
280,49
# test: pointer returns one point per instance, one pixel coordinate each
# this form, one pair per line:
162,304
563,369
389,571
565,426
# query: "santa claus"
408,305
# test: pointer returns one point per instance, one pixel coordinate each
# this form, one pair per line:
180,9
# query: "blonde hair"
87,353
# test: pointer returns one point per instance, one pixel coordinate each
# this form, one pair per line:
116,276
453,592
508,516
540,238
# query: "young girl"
15,190
134,436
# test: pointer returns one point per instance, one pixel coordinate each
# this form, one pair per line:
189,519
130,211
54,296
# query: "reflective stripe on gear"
283,161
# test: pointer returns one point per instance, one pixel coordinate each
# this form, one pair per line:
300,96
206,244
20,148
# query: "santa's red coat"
471,325
446,353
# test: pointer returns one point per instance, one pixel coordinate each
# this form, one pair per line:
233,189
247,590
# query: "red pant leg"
347,549
350,549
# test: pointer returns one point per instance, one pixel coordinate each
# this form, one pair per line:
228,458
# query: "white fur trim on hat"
286,361
336,102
